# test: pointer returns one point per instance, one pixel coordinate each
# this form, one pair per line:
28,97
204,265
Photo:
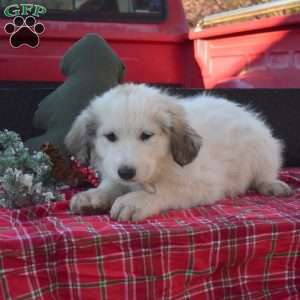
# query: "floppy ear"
79,140
184,140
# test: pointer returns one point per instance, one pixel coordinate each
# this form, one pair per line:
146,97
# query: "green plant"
25,178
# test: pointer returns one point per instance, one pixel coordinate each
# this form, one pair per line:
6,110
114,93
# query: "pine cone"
68,170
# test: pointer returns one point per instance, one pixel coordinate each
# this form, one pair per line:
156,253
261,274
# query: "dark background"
280,108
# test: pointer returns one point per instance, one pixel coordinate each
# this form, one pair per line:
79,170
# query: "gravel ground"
197,9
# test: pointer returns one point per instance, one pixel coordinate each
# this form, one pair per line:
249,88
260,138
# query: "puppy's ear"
80,139
184,140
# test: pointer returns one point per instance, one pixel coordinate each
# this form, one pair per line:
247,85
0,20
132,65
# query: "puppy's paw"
89,202
275,188
134,206
80,202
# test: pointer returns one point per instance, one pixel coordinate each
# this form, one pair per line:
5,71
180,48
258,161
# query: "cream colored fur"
203,148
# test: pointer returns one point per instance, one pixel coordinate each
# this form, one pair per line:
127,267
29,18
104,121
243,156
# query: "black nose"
126,172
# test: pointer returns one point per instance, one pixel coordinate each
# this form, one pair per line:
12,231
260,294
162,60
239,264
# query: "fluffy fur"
184,152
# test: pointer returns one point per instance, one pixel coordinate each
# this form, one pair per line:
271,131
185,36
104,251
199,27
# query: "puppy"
156,152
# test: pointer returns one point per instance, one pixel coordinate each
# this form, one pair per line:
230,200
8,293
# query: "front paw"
89,202
134,206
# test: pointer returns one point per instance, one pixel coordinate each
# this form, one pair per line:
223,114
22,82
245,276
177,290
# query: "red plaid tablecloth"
247,248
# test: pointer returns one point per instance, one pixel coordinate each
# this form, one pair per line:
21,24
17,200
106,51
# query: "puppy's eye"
111,137
146,135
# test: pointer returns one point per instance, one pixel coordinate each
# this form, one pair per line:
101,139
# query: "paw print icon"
24,32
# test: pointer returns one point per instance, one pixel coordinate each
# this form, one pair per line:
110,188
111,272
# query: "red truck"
153,40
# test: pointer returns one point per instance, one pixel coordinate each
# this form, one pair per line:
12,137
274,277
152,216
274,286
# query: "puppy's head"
132,130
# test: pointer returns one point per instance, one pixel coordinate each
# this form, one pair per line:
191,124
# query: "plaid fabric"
245,248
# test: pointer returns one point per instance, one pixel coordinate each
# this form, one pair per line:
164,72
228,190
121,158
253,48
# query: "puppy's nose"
126,172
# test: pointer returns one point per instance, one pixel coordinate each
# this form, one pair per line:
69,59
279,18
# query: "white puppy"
156,152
